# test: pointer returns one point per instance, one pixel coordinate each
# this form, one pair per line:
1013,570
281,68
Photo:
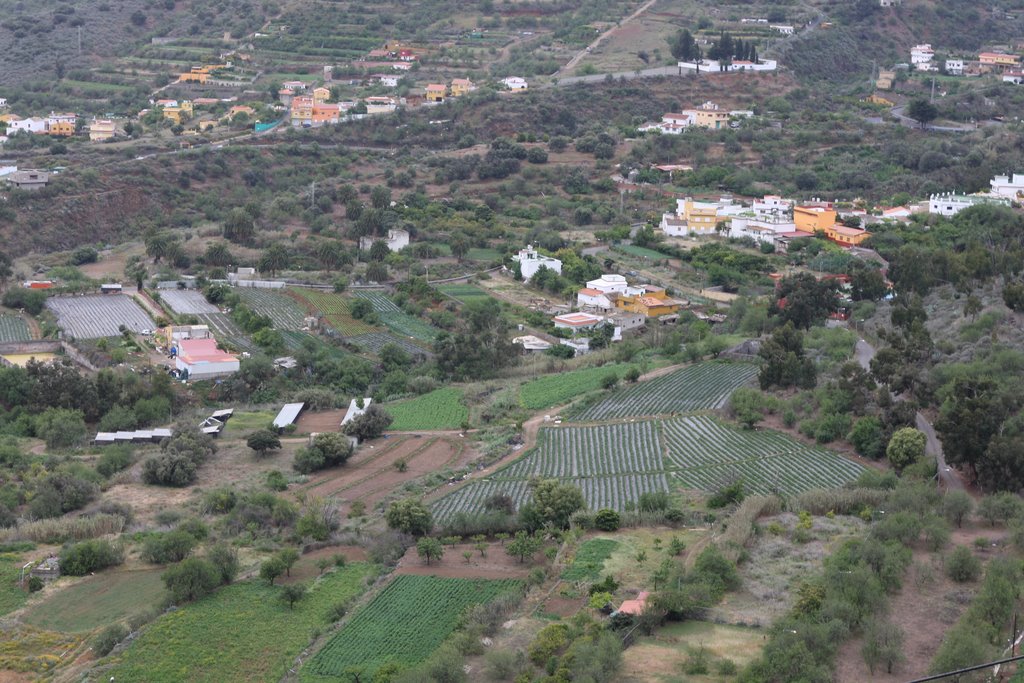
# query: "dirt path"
33,325
597,41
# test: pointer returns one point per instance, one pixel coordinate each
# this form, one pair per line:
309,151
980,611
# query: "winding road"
949,477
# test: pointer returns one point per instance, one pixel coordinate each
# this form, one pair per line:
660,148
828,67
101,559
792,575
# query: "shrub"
727,495
962,565
327,450
169,469
607,520
276,481
653,501
370,424
35,584
108,639
90,556
167,548
191,579
114,459
410,516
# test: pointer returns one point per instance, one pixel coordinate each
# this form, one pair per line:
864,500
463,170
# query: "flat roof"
289,413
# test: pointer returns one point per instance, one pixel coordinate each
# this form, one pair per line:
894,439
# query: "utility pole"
933,90
79,41
312,194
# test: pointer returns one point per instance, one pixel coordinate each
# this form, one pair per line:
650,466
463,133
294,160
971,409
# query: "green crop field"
642,252
243,632
562,387
97,601
11,595
481,254
590,559
375,341
13,328
397,320
226,330
439,409
282,310
404,624
335,308
706,453
463,292
696,387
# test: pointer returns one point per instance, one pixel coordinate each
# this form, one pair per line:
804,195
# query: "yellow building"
101,129
701,217
652,304
847,237
813,219
461,86
998,59
878,99
885,80
436,92
321,95
61,125
176,111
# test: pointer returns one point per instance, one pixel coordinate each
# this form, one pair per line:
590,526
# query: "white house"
782,28
950,204
203,360
611,283
955,67
32,124
397,240
530,262
588,298
515,83
1015,77
389,80
380,105
921,56
531,343
577,321
890,3
3,102
1009,186
712,66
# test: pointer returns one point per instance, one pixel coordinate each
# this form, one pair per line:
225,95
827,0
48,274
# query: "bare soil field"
372,473
495,564
320,421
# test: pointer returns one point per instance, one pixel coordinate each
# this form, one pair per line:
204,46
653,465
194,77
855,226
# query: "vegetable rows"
709,453
439,409
226,330
186,301
591,451
13,328
697,387
100,315
396,319
335,309
404,624
375,341
556,389
280,308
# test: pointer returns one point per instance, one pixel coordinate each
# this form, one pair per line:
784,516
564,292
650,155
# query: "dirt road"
571,64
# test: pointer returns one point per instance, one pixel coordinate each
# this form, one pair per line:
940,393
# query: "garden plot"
463,293
13,328
101,315
697,387
709,454
280,308
186,301
334,308
591,451
375,341
396,319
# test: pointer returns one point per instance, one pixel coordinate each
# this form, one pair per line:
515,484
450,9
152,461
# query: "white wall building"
951,204
396,240
784,29
712,66
203,360
1009,186
515,83
530,262
921,56
30,125
594,299
955,67
611,283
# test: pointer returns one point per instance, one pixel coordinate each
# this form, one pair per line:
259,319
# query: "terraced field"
13,328
187,301
463,293
613,464
396,319
696,387
226,330
280,308
563,387
706,453
100,315
375,341
335,309
440,409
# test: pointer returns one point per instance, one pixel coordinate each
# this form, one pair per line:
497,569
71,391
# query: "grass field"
335,308
404,624
589,559
397,320
243,632
11,595
439,409
463,292
562,387
480,254
661,657
13,328
696,387
97,601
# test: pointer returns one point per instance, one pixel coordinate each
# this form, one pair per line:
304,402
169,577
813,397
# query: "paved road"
949,477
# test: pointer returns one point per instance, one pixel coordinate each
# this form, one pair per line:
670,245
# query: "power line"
976,667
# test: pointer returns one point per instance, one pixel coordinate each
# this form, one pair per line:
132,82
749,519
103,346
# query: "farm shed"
354,410
139,436
47,570
203,360
288,415
110,288
633,607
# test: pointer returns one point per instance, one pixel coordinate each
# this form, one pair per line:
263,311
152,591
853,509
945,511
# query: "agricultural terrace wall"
45,346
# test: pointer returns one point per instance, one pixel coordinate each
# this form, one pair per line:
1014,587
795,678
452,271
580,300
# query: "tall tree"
922,111
970,417
135,269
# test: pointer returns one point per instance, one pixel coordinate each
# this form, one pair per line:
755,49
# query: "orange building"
847,237
813,218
